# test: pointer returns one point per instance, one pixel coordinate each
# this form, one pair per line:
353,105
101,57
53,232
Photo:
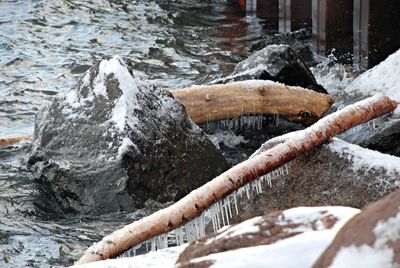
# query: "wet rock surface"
370,239
113,142
337,173
262,231
278,63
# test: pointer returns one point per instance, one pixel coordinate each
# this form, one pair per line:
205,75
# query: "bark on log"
202,198
217,102
13,140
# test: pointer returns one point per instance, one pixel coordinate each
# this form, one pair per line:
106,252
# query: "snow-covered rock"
291,238
337,173
113,142
371,239
278,63
384,134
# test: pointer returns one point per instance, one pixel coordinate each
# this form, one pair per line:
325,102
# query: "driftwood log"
13,140
255,97
196,202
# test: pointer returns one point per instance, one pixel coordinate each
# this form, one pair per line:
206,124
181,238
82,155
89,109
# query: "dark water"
46,45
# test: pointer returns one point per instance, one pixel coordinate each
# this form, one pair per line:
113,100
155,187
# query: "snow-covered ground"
297,251
162,258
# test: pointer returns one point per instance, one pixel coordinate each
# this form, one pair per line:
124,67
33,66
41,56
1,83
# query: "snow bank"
301,250
383,78
162,258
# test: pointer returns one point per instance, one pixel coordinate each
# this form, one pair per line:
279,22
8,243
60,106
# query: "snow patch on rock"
377,255
286,252
308,216
364,159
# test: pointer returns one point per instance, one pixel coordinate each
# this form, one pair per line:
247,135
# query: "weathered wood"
196,202
218,102
14,140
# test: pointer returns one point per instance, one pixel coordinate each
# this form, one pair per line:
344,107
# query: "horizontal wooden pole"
254,97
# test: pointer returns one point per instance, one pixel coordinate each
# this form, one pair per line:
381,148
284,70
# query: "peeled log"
195,203
13,140
218,102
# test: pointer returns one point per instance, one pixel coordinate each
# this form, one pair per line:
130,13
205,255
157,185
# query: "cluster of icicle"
369,125
219,214
252,121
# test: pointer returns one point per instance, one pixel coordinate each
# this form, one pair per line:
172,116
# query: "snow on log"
195,203
253,97
13,140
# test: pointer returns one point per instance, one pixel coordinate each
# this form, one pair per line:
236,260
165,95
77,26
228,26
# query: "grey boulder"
277,63
114,142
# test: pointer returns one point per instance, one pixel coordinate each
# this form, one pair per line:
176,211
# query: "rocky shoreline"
114,143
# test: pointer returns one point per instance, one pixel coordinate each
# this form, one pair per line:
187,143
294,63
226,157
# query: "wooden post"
333,28
285,25
294,15
269,11
375,29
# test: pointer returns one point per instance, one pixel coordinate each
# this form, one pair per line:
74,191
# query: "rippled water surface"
46,45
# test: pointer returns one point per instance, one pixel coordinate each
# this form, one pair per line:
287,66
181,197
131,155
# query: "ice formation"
219,214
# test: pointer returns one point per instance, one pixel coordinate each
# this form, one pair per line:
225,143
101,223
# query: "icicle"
226,211
247,188
229,207
235,200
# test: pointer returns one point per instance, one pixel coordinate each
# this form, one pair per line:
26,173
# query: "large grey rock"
113,142
337,173
277,63
384,134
